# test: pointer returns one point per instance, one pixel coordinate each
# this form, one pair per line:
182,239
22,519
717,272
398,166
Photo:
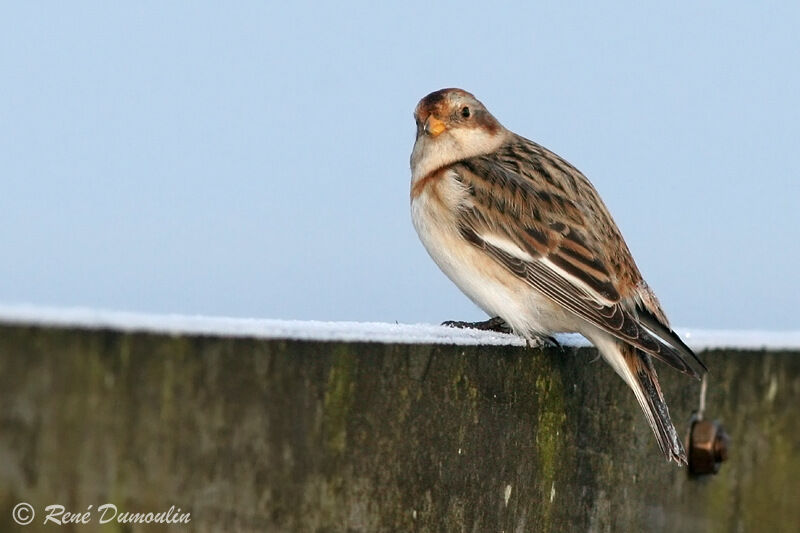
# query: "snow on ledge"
345,331
251,327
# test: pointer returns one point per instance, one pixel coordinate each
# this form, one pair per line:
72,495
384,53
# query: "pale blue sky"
251,159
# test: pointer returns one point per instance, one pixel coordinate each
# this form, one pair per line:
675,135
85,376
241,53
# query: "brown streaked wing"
548,226
548,171
544,223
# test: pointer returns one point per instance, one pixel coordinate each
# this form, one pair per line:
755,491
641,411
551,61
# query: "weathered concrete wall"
269,435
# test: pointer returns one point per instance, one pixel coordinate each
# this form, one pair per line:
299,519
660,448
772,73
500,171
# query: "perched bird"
525,236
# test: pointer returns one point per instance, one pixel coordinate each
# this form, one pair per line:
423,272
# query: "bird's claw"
543,341
493,324
499,325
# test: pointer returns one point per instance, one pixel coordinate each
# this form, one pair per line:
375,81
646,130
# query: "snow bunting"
527,238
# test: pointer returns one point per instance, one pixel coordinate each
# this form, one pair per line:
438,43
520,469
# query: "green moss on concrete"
338,400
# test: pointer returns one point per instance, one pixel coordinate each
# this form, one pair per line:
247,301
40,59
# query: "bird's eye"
465,112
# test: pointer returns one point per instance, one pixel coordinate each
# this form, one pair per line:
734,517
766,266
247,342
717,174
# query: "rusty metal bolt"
708,447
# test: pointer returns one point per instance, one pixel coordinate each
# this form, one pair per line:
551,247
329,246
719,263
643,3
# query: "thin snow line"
173,324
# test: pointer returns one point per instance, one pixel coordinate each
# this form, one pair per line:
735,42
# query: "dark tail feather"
670,337
648,393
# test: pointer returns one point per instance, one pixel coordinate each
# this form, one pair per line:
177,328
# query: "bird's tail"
648,392
636,368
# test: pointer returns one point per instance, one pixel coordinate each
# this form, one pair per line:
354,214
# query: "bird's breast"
434,211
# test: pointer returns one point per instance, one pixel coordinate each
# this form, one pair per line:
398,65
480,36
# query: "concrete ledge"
305,435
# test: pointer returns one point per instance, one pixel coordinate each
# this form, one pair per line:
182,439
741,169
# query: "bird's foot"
543,341
499,325
493,324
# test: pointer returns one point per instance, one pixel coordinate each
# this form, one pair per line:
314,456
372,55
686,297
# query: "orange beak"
434,126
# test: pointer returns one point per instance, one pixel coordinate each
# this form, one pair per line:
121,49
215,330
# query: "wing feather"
560,256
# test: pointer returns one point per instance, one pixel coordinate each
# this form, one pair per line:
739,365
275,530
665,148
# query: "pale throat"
454,145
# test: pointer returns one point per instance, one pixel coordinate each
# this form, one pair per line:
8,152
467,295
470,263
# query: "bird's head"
452,125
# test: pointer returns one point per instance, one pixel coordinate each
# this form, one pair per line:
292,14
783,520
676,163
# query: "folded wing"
528,224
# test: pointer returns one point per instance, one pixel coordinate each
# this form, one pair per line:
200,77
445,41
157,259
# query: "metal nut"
708,447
